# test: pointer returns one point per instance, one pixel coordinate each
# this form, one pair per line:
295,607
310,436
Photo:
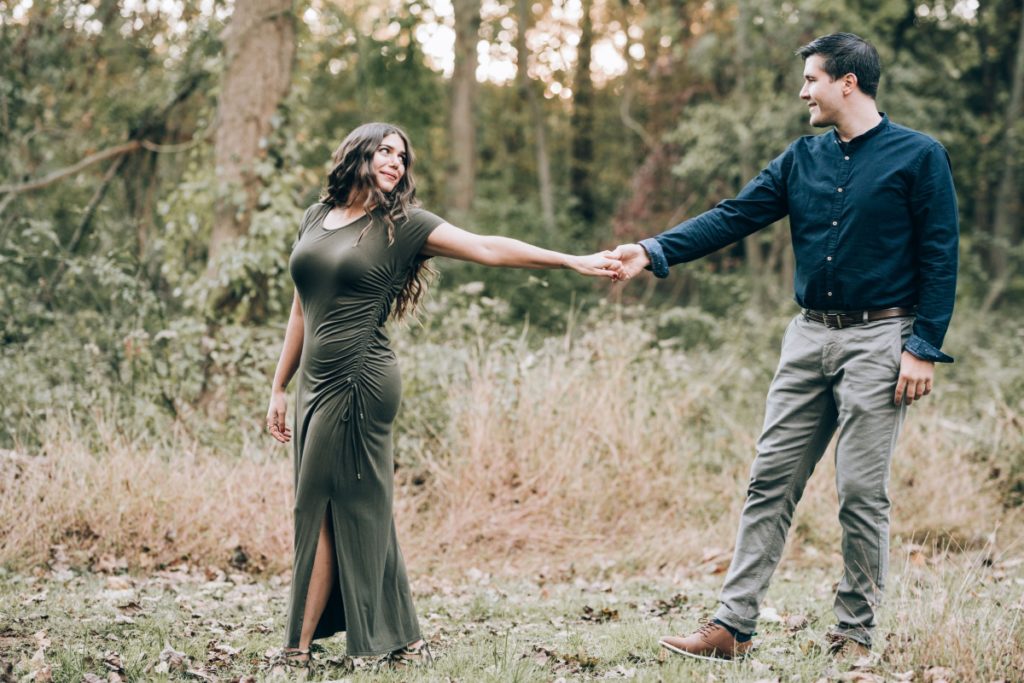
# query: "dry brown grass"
143,507
596,460
595,451
964,613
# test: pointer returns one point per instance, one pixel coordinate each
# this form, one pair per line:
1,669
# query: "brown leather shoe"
845,649
711,641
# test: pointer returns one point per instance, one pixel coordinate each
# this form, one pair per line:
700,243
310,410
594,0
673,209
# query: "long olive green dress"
347,395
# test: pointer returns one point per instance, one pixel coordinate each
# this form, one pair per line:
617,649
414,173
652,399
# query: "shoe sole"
723,660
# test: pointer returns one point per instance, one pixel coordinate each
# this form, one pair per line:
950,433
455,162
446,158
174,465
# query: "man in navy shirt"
874,225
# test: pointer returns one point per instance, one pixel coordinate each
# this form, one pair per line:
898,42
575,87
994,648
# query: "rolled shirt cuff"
659,264
919,348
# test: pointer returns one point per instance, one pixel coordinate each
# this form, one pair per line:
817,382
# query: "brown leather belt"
837,321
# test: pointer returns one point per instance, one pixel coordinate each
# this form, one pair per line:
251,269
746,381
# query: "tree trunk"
751,244
582,162
462,183
529,93
259,46
1006,221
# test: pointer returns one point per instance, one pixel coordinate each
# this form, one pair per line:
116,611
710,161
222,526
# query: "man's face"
822,93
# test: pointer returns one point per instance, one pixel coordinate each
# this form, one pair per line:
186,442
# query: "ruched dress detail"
347,395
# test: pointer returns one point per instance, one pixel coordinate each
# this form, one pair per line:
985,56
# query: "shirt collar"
866,135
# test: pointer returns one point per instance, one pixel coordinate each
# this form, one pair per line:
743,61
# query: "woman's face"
388,164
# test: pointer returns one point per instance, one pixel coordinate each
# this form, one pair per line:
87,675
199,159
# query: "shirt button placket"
844,174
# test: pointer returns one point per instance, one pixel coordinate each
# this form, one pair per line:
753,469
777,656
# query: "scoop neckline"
323,219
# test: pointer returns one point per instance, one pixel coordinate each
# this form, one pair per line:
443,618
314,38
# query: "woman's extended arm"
291,352
493,250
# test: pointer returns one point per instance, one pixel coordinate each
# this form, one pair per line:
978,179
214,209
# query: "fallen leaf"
600,616
939,674
112,660
673,605
91,678
221,653
44,675
131,608
796,622
175,660
770,614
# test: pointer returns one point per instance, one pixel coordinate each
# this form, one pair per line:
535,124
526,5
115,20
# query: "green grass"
961,612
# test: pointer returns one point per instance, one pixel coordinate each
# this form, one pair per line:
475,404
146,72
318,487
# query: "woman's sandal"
291,661
408,656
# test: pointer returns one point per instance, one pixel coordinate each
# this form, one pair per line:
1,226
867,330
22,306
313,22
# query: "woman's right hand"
601,264
277,425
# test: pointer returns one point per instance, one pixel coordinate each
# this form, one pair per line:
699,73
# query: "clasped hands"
621,263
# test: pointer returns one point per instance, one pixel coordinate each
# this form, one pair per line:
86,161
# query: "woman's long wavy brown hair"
352,175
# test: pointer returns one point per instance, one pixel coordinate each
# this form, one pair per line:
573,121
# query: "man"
874,226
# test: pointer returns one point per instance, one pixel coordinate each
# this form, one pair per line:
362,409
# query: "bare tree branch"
60,174
83,226
93,159
629,122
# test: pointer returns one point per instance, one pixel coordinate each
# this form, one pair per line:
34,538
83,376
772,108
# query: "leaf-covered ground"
948,617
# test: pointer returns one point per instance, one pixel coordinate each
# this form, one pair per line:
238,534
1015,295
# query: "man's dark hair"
846,53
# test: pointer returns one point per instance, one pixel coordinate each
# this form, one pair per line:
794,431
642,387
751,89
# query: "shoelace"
708,628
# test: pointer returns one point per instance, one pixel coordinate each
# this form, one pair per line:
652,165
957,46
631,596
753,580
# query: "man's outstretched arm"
759,204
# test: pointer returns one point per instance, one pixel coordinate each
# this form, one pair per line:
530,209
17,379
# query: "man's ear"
849,83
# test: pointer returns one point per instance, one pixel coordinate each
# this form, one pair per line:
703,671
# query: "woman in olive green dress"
359,259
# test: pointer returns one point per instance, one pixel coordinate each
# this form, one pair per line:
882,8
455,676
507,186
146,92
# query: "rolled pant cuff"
727,616
859,633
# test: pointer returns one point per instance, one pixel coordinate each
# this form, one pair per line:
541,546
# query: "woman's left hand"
600,264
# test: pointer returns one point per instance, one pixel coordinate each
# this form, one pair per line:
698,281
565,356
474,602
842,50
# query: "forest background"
156,155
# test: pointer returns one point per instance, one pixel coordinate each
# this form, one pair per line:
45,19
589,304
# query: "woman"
359,259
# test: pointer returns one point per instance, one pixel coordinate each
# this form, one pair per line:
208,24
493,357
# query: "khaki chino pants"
827,379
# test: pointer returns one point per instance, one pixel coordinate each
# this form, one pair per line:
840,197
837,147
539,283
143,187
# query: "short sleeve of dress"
416,230
307,219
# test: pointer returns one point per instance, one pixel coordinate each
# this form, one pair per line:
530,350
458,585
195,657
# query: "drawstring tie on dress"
355,406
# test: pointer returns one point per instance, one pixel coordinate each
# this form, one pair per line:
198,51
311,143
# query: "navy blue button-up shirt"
873,220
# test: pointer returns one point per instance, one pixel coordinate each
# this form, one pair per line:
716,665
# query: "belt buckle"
839,320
